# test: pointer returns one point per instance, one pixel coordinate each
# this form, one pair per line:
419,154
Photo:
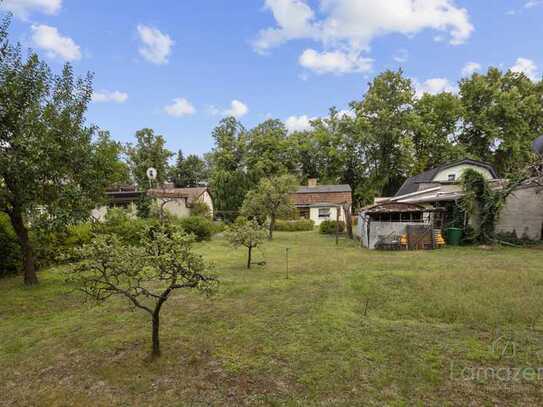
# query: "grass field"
349,327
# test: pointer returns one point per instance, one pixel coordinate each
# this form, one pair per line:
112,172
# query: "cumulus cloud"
527,67
106,96
156,46
56,45
180,107
349,26
23,8
237,109
298,123
470,68
434,86
337,62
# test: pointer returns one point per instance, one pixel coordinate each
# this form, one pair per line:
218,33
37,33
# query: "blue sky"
179,66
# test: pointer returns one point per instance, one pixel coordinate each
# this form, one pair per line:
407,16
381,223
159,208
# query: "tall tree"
189,172
270,200
268,152
384,118
503,115
438,120
48,159
149,151
228,179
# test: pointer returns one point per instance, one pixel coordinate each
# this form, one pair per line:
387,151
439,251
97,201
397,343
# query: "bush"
10,252
128,228
200,208
202,228
299,225
328,227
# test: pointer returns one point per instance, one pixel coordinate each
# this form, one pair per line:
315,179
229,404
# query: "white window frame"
326,215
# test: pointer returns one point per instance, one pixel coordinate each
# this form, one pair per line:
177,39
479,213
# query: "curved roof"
412,184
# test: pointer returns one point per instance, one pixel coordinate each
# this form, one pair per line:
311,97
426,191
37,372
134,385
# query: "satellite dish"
538,145
151,173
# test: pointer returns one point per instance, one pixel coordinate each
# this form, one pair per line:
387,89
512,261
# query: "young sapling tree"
247,233
146,274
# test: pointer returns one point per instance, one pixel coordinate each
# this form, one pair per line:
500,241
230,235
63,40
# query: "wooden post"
338,208
287,261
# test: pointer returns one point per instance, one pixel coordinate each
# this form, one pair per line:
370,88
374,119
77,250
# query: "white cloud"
237,109
298,123
180,107
434,86
527,67
49,39
533,3
334,62
348,27
105,96
156,46
22,8
470,68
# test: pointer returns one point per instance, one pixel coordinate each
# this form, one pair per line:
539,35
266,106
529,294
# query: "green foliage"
299,225
200,208
246,233
10,252
483,202
189,172
149,151
198,226
128,228
145,275
328,227
228,180
270,200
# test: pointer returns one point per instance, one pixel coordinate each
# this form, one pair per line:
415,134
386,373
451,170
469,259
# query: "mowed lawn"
349,327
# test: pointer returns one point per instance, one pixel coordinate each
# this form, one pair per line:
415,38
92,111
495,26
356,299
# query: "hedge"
328,227
300,225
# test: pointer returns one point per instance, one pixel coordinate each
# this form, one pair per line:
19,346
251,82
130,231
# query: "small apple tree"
247,233
146,274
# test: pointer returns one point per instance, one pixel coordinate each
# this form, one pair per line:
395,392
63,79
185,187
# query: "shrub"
10,252
200,208
299,225
328,227
128,228
202,228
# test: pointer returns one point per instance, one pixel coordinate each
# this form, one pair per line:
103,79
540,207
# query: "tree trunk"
29,268
155,337
249,257
272,226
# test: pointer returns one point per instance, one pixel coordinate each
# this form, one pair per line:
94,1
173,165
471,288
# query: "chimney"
312,182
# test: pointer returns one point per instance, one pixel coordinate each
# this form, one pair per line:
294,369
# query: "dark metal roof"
320,189
412,184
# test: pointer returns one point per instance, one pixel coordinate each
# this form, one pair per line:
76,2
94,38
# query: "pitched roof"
192,194
322,195
323,189
412,184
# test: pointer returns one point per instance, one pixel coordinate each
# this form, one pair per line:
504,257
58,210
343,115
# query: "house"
440,187
321,202
175,201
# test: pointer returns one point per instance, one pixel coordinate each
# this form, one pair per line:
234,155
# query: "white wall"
314,214
443,176
523,213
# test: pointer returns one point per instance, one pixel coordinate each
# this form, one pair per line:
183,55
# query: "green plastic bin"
454,236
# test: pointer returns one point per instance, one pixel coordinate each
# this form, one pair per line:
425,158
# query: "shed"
384,223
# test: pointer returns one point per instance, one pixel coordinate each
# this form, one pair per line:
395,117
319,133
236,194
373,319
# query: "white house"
321,202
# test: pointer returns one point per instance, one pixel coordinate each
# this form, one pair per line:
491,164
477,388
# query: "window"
324,213
304,213
452,177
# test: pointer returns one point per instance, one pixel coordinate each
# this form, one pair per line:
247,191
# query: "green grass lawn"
349,327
